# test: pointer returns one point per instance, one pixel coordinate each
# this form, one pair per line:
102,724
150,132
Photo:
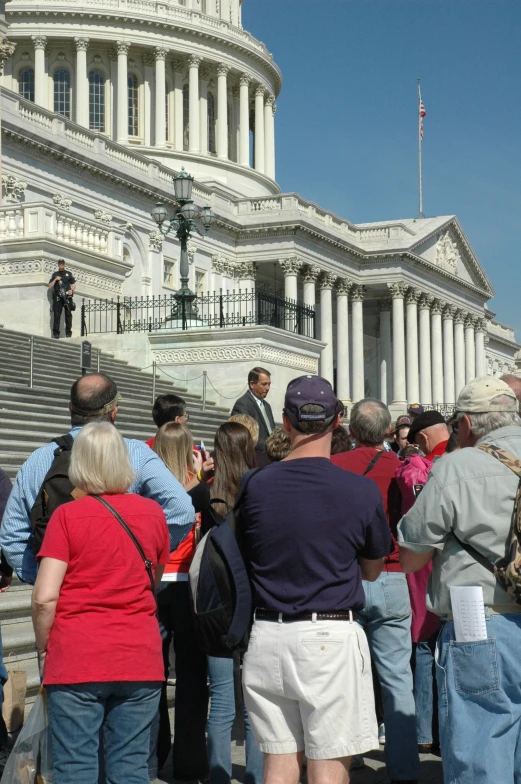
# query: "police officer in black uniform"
63,284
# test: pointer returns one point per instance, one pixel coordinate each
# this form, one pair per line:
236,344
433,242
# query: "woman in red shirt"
94,616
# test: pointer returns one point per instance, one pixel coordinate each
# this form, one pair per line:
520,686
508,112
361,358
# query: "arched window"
62,92
26,83
97,100
133,105
211,123
186,115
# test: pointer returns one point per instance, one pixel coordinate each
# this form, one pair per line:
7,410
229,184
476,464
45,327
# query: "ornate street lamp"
183,222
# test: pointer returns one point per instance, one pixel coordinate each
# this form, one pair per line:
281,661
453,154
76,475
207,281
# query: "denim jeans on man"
479,703
220,723
190,759
123,711
425,691
386,620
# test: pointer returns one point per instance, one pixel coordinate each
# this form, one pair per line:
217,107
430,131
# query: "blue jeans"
220,723
123,711
479,704
386,620
424,691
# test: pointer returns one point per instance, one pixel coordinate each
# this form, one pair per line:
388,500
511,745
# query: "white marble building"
102,101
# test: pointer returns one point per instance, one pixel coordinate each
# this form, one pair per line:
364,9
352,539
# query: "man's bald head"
93,399
514,382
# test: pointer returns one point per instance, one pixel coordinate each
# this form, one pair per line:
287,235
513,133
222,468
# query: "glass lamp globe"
189,210
207,216
159,213
183,185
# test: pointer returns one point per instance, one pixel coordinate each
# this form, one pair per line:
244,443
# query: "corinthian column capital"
82,44
292,265
358,293
343,286
327,280
310,273
398,290
122,47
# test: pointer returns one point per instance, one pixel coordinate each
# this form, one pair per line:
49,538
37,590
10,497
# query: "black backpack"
56,489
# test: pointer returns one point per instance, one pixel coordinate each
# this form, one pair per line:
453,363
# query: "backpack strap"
373,462
130,532
65,443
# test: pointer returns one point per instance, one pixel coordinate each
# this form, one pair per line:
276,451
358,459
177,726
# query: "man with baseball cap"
431,434
312,532
415,410
462,522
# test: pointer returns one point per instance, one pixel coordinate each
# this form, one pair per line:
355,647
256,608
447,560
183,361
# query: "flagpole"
420,180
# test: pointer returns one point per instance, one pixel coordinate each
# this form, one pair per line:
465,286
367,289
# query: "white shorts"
308,686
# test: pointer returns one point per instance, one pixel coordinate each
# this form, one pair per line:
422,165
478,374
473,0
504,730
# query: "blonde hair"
100,462
174,444
249,423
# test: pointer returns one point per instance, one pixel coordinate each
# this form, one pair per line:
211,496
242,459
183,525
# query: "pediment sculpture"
447,254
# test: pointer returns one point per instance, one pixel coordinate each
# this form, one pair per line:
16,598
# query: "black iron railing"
216,311
447,410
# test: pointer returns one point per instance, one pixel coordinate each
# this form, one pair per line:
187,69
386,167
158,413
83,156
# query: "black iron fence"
219,310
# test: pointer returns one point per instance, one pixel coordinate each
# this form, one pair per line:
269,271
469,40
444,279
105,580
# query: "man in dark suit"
254,403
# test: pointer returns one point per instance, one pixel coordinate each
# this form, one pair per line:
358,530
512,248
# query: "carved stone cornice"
39,41
223,69
449,312
398,290
160,53
246,270
384,304
310,273
426,301
14,188
122,47
6,51
82,44
412,297
291,266
327,280
194,61
155,240
358,293
149,59
343,286
437,307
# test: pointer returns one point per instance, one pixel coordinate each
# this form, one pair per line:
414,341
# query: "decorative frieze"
14,188
155,241
62,202
104,217
47,267
6,51
236,353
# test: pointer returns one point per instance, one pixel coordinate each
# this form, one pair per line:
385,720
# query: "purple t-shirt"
306,522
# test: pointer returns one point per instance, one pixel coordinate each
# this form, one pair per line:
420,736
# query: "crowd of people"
353,535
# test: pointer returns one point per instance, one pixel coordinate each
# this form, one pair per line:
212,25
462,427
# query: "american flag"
421,116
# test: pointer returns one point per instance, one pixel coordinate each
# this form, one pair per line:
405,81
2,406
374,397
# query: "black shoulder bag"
373,462
148,564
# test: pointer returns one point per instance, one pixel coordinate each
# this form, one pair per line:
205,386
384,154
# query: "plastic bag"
30,761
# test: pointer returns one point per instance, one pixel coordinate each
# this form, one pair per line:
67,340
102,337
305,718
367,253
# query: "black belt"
276,617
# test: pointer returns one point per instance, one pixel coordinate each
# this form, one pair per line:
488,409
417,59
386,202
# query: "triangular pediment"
448,249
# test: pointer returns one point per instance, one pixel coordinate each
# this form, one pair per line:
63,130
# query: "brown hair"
174,444
249,423
234,455
278,445
340,442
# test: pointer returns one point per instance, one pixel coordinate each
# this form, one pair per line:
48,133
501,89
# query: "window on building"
62,92
97,100
186,116
200,282
168,273
26,83
211,123
133,105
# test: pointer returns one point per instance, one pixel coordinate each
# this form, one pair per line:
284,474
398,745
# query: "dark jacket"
248,405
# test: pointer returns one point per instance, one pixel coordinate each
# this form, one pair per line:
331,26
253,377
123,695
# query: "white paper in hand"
468,612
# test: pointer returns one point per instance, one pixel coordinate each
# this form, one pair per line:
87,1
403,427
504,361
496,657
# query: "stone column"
149,64
222,111
259,128
82,82
481,366
204,78
310,274
247,272
459,352
236,115
41,86
291,267
386,391
470,349
343,287
193,82
269,137
122,100
426,301
160,137
244,120
357,342
327,281
177,67
399,390
413,387
437,352
448,354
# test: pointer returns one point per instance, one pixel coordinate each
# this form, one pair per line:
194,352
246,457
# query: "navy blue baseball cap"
310,390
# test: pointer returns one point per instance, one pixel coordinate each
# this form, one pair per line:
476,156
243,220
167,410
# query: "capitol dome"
180,81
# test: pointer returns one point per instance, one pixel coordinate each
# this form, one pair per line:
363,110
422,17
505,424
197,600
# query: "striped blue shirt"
153,480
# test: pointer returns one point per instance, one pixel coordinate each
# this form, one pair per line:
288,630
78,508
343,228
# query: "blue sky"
346,119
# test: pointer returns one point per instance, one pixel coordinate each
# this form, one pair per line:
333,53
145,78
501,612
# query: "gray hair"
100,462
483,424
369,421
